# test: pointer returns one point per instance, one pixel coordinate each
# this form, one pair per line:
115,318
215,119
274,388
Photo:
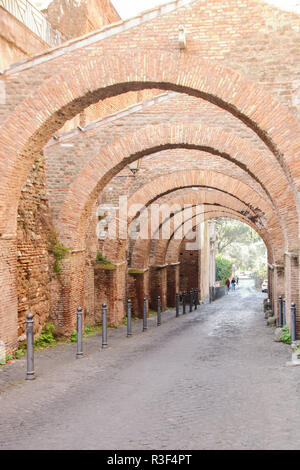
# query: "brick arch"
63,96
256,205
172,250
141,249
157,138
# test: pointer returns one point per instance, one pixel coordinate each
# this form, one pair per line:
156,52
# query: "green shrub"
90,330
286,337
8,358
135,271
59,252
19,353
46,338
103,262
73,337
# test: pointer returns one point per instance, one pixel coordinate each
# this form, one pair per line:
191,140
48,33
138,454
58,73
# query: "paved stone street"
213,379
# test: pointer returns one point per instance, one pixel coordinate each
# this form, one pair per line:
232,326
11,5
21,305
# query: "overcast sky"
128,8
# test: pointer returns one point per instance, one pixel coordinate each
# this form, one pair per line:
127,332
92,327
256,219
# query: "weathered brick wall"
158,287
75,19
34,263
248,36
189,267
172,284
110,289
137,290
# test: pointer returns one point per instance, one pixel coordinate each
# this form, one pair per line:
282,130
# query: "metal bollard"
30,347
104,326
284,311
197,298
191,300
280,323
145,327
129,333
79,353
183,303
158,311
177,305
293,323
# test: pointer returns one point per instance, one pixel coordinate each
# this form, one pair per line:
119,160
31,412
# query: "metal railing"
34,20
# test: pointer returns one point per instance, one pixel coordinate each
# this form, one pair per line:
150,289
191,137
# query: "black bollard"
145,327
183,303
293,324
158,311
280,322
177,305
104,326
30,374
191,300
79,353
129,333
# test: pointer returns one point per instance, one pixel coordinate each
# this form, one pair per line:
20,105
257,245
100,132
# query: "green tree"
232,231
224,268
241,244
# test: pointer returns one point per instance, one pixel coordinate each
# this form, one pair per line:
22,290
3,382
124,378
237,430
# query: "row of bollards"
30,373
194,300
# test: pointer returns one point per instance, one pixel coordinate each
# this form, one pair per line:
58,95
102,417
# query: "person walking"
233,283
227,284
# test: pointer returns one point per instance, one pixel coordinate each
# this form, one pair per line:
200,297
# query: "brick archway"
172,272
115,250
62,97
93,178
141,249
161,268
173,246
152,191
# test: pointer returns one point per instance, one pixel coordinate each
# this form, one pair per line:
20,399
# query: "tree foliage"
232,231
240,244
224,268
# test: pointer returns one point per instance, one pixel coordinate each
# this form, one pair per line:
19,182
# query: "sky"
129,8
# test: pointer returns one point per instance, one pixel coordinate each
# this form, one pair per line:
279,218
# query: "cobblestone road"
212,379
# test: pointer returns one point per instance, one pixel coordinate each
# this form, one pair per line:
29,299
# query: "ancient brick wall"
75,19
189,267
239,35
35,271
